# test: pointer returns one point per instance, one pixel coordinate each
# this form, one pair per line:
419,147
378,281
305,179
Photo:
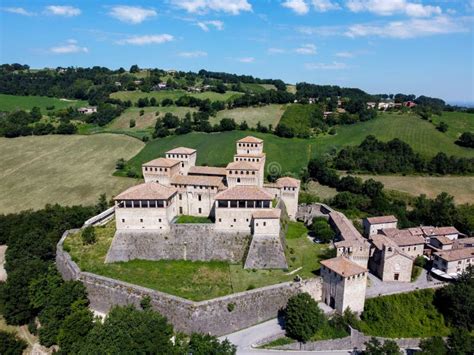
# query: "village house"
449,264
87,110
409,104
344,284
373,225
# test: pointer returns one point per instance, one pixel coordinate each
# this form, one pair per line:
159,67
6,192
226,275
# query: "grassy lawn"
403,315
298,117
269,114
324,192
461,187
68,170
458,122
173,94
192,219
16,102
148,119
193,280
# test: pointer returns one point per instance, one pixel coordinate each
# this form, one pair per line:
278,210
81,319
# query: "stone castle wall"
183,242
214,316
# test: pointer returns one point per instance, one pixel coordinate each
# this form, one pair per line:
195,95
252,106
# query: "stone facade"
212,316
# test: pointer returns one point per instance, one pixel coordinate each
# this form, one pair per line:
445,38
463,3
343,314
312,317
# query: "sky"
381,46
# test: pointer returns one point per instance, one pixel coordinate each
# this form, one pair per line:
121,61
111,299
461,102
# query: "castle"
236,198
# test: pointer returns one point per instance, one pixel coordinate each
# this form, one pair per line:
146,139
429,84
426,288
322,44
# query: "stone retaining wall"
218,316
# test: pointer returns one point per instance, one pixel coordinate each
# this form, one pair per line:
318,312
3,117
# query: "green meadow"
15,102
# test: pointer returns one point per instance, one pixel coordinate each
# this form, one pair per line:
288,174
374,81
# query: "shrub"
231,307
10,344
132,123
145,303
302,317
88,235
120,164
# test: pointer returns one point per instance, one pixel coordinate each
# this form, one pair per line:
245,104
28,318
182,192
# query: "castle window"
264,224
152,203
199,210
156,169
235,220
181,210
241,204
256,224
161,169
220,219
159,220
146,169
180,196
199,197
266,204
128,204
238,179
141,220
253,172
233,204
182,164
247,220
123,220
222,204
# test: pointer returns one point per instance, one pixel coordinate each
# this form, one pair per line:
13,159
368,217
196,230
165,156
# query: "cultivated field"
68,170
173,94
15,102
461,187
269,114
196,280
149,117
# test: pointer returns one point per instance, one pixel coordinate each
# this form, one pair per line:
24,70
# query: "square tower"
250,146
186,156
160,170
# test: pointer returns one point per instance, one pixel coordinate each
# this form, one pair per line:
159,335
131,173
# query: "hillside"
16,102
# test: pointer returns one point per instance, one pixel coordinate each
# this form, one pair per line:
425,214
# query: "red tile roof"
241,165
265,214
244,192
147,191
206,170
250,139
382,219
162,162
181,150
343,266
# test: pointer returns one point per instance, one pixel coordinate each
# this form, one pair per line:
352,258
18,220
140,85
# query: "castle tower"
161,170
250,149
186,156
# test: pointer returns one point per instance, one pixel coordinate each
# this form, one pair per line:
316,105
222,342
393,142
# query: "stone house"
449,264
87,110
373,225
344,284
412,245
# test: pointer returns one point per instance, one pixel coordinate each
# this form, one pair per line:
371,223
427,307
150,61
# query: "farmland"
15,102
266,115
297,116
172,94
61,169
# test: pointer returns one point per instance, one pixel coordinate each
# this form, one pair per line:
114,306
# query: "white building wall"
452,267
234,219
189,203
289,195
354,292
187,160
413,250
237,178
266,226
249,148
373,229
144,218
163,176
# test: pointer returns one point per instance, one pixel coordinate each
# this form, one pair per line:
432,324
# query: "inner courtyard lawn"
196,280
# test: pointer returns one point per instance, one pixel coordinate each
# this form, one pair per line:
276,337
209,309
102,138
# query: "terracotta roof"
273,213
416,231
462,242
382,219
147,191
196,180
443,240
162,162
346,229
250,139
445,230
243,192
206,170
403,237
379,240
181,150
343,266
456,254
288,181
241,165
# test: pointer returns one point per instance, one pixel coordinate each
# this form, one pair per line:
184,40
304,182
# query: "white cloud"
345,54
233,7
325,5
298,6
195,54
321,30
68,48
275,50
326,66
131,14
390,7
246,60
411,28
306,49
204,25
67,11
147,39
18,11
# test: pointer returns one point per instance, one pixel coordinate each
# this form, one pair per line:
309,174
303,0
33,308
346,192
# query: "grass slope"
15,102
193,280
148,119
173,94
298,117
61,169
269,114
404,315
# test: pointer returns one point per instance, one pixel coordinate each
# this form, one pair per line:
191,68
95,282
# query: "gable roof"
288,181
382,219
181,150
244,192
456,254
265,214
403,237
241,165
445,230
147,191
250,139
196,180
162,162
206,170
343,266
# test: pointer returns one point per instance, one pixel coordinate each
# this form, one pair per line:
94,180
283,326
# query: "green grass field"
297,116
148,120
15,102
173,94
218,149
458,122
269,114
68,170
194,280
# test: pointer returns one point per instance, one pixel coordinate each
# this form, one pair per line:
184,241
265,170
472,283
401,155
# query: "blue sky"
381,46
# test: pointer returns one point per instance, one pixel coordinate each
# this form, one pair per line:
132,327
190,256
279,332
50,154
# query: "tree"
120,164
442,127
322,231
75,327
205,344
227,124
460,342
36,114
283,130
302,317
375,347
10,344
66,128
466,140
102,203
433,346
134,69
132,123
88,235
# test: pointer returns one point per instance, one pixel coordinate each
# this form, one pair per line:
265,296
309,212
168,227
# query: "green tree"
10,344
134,69
120,164
88,235
375,347
433,346
102,203
442,127
460,342
322,230
205,344
35,114
302,317
75,327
